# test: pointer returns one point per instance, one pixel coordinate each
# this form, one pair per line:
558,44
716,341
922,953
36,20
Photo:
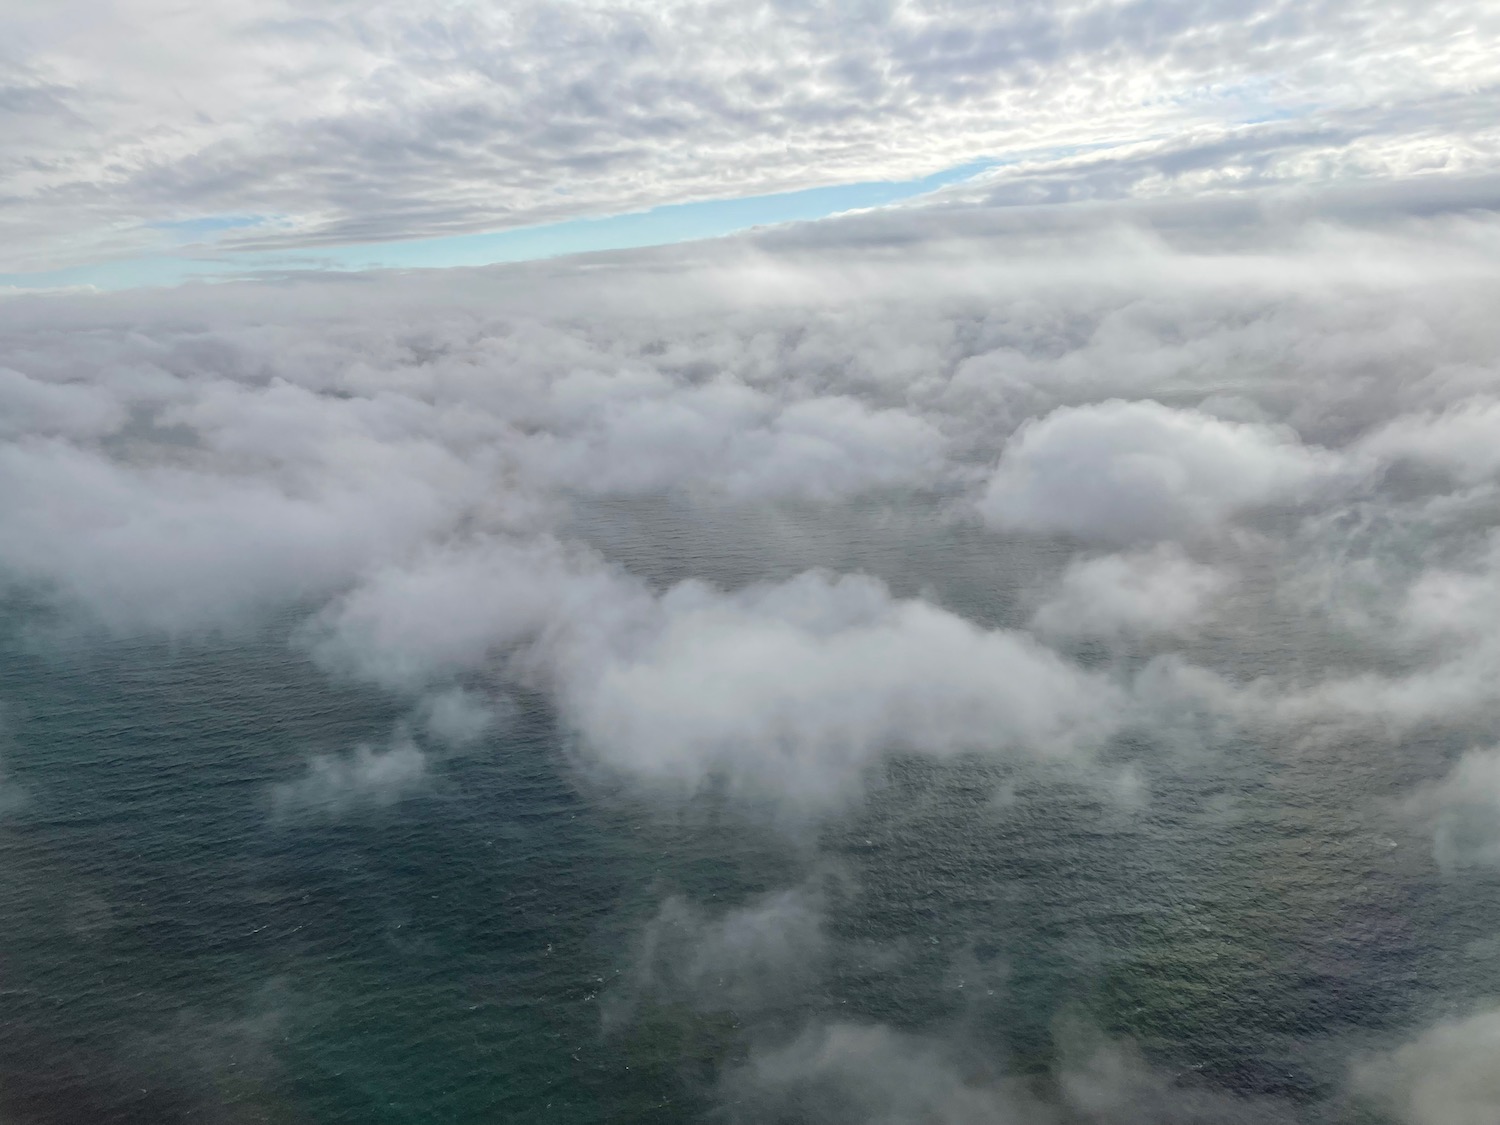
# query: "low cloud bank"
1187,412
1169,484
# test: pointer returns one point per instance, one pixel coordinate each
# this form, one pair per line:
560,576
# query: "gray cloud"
361,122
791,689
404,461
336,784
1122,471
1445,1076
1455,440
1464,811
797,688
745,961
874,1075
1143,592
459,717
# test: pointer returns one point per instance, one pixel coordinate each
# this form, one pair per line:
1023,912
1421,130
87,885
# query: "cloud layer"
1114,497
271,125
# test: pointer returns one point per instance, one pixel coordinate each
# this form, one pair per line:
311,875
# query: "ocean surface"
494,944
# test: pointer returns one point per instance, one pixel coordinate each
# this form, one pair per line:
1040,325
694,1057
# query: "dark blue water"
172,950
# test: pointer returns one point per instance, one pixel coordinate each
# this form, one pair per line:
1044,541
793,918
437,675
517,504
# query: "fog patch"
760,957
338,784
1464,811
870,1074
1445,1076
459,717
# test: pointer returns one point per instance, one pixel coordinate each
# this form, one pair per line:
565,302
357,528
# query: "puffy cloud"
1160,590
179,547
791,689
1437,635
41,407
456,606
647,435
405,469
1121,471
1459,440
458,717
795,688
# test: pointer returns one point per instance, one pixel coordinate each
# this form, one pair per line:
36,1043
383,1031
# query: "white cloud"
790,690
456,606
1446,1076
1460,439
179,547
641,435
1123,471
336,784
796,688
870,1074
1464,810
1439,624
399,458
1160,590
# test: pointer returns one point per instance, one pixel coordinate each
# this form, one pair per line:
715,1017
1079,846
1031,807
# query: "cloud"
647,434
790,689
1160,590
456,606
372,121
1126,471
711,510
1457,440
870,1074
797,688
417,467
40,407
746,961
1446,1076
1464,811
336,784
1434,627
178,545
459,717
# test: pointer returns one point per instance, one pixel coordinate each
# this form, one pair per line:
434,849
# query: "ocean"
520,936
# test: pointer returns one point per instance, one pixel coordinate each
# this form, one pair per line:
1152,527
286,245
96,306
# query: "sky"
147,142
1186,305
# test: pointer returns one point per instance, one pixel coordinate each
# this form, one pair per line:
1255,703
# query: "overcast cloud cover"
138,125
1209,362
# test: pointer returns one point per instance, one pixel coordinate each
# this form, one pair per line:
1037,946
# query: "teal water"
172,950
